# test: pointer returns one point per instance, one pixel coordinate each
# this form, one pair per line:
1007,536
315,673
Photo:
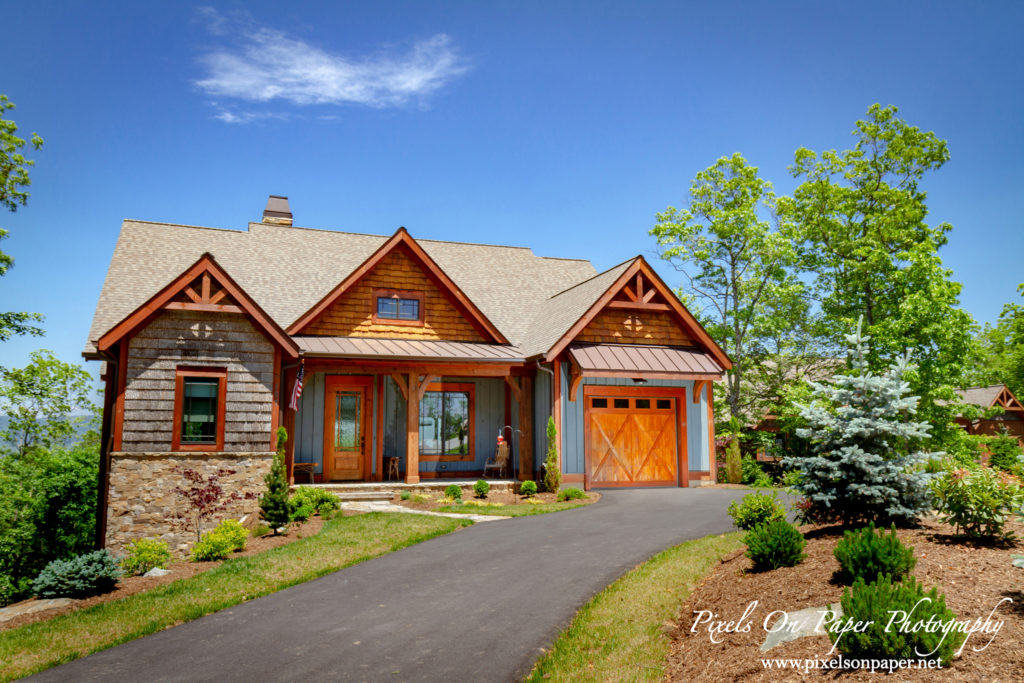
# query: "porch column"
526,428
412,430
713,463
289,426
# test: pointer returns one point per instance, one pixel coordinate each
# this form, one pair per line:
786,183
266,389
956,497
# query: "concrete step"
362,495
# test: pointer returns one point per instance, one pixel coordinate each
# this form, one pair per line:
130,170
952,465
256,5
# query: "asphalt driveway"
476,605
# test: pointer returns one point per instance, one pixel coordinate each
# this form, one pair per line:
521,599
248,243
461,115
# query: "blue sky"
559,126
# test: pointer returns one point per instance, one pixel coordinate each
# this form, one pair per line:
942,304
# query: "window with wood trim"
200,396
397,307
446,422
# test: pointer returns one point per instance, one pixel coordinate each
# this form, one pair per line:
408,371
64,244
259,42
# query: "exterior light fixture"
639,380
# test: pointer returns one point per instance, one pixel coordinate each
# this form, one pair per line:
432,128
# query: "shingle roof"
286,270
980,396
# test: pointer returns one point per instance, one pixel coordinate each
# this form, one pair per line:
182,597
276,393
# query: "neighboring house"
421,351
996,396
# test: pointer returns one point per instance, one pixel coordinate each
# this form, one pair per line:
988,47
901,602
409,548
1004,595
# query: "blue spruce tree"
863,465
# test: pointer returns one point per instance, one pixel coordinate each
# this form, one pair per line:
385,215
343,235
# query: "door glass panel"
347,422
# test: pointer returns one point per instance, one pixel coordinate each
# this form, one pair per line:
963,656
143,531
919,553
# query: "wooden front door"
346,427
632,440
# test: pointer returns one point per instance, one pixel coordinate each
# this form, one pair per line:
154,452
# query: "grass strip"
342,542
520,510
618,636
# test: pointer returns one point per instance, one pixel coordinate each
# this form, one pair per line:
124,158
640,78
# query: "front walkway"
383,506
475,605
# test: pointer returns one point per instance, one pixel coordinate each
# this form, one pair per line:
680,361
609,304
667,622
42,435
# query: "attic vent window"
394,307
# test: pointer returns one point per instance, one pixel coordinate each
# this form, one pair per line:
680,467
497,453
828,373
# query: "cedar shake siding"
612,326
191,338
352,315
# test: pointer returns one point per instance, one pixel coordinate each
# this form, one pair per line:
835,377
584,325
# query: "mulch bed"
499,497
181,569
973,577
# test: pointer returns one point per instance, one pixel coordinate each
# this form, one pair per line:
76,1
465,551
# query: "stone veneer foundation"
141,502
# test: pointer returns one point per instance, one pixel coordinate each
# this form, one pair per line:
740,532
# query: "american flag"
297,390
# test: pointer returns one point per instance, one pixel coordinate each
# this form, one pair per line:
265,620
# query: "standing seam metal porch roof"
645,360
407,349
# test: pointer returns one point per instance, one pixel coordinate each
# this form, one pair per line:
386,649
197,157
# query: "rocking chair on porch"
500,460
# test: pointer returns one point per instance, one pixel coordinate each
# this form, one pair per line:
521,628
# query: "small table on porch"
304,468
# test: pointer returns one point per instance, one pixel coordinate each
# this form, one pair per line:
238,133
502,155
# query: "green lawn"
519,510
617,636
342,542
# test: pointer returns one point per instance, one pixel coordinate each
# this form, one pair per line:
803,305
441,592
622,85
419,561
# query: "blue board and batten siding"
573,422
489,410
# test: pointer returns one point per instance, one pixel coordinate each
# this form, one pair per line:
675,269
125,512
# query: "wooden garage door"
631,440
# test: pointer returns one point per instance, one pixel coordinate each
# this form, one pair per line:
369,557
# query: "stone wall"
141,502
198,339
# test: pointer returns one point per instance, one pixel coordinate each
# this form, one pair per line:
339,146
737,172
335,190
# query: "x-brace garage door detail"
633,436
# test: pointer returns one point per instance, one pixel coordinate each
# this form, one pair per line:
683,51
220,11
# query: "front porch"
386,490
367,422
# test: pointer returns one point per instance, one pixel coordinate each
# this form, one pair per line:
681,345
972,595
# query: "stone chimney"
277,212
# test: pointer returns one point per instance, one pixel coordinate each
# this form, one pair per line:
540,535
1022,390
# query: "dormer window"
396,307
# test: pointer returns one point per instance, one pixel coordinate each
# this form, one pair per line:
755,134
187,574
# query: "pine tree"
274,503
865,445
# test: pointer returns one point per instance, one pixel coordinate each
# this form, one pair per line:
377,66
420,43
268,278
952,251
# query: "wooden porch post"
289,426
412,430
713,463
556,411
526,428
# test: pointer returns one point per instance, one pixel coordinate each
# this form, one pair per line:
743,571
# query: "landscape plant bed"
973,577
502,503
342,542
182,568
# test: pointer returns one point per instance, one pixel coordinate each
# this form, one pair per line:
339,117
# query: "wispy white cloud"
267,65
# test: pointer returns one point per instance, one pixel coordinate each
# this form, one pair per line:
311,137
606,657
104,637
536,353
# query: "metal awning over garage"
635,360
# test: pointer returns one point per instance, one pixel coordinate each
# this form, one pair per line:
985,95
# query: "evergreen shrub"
571,493
756,509
773,545
453,491
320,500
481,488
274,503
528,488
866,553
80,577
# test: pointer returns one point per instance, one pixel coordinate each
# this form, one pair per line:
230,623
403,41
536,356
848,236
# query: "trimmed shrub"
756,509
571,493
233,530
320,500
552,469
274,503
80,577
405,495
303,513
1004,452
866,553
211,547
481,488
453,491
874,603
978,502
145,554
733,462
773,545
528,488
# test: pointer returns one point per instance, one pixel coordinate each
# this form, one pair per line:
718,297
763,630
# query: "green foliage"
274,503
733,462
737,269
866,460
571,493
874,604
865,554
406,494
481,488
756,509
40,401
212,547
145,554
963,450
751,474
775,544
978,502
1001,350
420,498
302,513
232,530
89,574
14,180
47,512
858,221
791,479
528,488
453,491
319,500
1004,452
552,469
